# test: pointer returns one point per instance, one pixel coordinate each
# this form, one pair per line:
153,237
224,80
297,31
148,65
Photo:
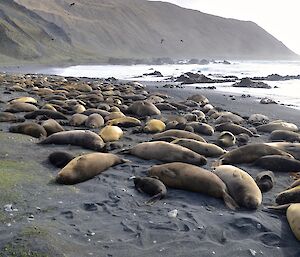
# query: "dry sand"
105,216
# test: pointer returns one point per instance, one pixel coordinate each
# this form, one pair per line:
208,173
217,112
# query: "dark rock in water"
191,78
277,77
90,207
247,82
154,73
267,100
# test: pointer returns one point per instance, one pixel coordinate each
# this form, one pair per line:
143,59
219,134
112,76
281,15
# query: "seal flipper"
230,202
155,198
282,207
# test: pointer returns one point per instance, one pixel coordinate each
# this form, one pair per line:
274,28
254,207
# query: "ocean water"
288,92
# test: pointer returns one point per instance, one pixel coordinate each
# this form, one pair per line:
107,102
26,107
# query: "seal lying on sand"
289,196
179,134
151,186
293,217
265,180
29,128
60,159
285,135
278,163
86,167
84,138
241,186
192,178
250,153
166,152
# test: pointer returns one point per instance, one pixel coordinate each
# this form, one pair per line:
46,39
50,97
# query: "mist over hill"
92,31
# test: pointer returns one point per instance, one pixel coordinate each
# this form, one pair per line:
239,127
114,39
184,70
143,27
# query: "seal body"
293,217
265,180
167,152
52,126
289,196
143,108
154,126
241,186
60,159
30,129
285,135
87,166
202,128
233,128
192,178
95,120
250,153
151,186
111,133
84,138
179,134
277,125
206,149
278,163
226,139
291,148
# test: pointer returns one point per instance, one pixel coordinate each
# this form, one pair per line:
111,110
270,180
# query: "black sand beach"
106,215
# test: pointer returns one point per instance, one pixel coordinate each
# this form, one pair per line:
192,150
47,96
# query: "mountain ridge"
94,31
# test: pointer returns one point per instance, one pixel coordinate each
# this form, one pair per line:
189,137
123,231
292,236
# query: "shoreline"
105,216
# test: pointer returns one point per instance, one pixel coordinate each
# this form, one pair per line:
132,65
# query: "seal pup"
192,178
52,126
95,120
86,166
151,186
277,125
20,107
202,128
265,180
241,186
154,126
60,159
84,138
166,152
143,108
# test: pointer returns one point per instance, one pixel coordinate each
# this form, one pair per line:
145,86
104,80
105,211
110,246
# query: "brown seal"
30,129
151,186
52,126
192,178
265,180
60,159
87,166
84,138
241,186
179,134
166,152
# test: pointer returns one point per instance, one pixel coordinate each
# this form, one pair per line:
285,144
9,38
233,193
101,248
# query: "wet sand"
106,216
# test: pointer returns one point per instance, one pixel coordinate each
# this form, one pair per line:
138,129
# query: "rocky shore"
106,215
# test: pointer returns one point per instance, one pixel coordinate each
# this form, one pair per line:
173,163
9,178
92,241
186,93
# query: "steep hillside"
94,30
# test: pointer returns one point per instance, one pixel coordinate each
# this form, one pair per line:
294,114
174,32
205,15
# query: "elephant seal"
278,163
284,135
77,120
293,217
291,148
154,126
84,138
143,108
265,180
229,117
125,122
291,195
60,159
111,133
277,125
242,139
241,186
151,186
24,99
87,166
20,107
233,128
192,178
205,149
46,113
202,128
166,152
258,118
165,139
95,120
7,117
52,126
114,115
226,139
250,153
200,99
295,183
179,134
30,129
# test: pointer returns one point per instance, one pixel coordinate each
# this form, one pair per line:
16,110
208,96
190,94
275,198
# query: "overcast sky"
278,17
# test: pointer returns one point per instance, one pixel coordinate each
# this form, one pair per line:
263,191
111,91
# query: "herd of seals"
98,114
